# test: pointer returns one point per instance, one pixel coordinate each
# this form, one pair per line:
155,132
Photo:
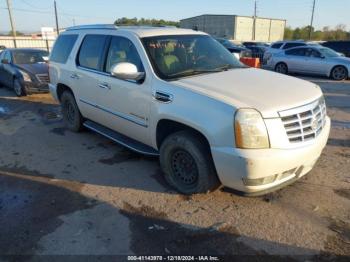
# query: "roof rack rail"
95,26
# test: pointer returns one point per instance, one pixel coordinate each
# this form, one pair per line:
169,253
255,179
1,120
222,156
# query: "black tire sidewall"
76,125
22,93
346,76
281,63
207,178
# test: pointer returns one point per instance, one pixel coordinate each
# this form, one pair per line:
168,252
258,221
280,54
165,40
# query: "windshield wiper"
196,71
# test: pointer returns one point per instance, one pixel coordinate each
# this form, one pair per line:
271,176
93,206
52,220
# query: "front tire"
72,117
187,164
18,88
339,73
281,68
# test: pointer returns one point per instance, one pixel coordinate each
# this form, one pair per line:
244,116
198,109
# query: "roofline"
93,26
278,19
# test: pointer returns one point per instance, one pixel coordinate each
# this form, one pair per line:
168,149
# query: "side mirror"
5,61
127,71
322,57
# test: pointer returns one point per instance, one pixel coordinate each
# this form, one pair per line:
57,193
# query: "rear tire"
18,88
72,117
187,164
339,73
281,68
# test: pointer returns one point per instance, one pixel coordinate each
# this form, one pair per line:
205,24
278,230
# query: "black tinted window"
296,51
290,45
29,56
91,52
276,46
122,50
63,46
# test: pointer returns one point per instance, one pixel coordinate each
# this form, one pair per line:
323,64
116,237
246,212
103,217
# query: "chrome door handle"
74,76
104,86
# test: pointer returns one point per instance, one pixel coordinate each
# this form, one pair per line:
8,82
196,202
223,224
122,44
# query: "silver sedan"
315,60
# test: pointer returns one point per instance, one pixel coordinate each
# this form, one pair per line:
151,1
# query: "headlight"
250,130
26,76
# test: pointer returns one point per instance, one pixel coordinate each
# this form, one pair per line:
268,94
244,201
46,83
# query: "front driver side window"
122,50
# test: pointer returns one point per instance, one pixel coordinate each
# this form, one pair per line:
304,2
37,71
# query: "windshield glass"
29,56
327,52
185,55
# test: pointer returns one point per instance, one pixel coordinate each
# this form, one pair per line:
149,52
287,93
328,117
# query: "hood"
263,90
39,68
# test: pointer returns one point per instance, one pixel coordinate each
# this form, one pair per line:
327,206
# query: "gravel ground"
63,193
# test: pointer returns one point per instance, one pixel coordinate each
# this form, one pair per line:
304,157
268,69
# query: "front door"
125,104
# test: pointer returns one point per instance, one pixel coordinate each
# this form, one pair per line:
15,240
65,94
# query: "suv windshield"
186,55
29,57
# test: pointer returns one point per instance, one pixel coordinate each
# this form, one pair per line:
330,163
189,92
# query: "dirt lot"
63,193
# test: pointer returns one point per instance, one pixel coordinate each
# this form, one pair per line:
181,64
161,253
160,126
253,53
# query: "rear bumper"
236,166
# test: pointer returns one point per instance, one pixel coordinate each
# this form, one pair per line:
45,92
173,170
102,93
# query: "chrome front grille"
306,122
43,78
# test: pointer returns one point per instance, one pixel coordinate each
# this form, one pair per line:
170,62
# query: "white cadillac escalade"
181,95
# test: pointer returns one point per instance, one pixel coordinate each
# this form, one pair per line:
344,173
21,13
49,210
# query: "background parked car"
342,47
280,46
317,60
24,70
251,44
237,50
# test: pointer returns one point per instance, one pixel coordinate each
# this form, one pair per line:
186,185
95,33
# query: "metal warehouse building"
240,28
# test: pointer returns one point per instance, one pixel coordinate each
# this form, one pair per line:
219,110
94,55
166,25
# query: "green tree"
151,22
18,33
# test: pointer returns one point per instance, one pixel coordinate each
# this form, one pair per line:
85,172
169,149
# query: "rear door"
86,77
295,59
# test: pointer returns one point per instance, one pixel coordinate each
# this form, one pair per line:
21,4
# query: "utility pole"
254,23
56,16
14,34
312,19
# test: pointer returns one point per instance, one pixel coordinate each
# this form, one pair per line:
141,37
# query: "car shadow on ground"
85,157
35,207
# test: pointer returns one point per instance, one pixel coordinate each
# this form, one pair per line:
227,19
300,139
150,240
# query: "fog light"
260,181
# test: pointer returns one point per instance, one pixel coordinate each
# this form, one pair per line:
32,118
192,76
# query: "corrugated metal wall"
238,28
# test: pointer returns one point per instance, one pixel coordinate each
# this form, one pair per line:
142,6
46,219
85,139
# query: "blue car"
24,70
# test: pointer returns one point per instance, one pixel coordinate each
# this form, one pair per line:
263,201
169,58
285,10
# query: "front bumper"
236,165
53,91
32,87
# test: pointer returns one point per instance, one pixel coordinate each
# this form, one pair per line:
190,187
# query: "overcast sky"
30,15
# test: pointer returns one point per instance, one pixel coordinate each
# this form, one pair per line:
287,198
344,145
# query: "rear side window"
290,45
91,54
277,46
63,47
296,52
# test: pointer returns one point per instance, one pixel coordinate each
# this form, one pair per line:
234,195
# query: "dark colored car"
342,47
240,51
24,70
253,44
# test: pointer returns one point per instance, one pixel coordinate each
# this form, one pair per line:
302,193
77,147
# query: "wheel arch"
333,67
166,127
61,88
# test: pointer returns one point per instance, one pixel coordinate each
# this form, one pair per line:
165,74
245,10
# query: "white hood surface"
263,90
